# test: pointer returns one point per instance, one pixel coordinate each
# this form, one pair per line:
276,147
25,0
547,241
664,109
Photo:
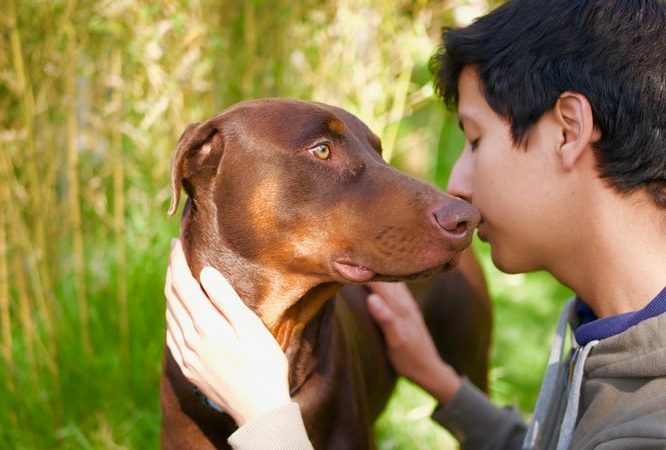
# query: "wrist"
443,383
250,414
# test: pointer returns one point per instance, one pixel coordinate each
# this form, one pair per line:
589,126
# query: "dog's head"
301,187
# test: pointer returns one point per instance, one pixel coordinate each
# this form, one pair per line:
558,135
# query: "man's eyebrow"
465,118
462,118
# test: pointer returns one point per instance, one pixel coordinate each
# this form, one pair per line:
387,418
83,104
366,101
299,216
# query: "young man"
563,106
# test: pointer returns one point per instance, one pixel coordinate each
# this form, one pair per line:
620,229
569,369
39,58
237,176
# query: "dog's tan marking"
292,303
337,127
301,312
265,194
288,305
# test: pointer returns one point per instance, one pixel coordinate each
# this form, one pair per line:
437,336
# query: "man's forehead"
473,108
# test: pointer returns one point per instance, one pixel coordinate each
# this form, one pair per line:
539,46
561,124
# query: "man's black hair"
528,52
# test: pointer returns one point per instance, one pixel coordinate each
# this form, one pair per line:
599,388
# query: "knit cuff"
281,428
476,422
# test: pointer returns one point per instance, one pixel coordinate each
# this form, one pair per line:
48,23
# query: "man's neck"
619,264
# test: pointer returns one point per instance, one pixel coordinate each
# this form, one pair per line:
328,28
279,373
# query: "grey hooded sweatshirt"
608,392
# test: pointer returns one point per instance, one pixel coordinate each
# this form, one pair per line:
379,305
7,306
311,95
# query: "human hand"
409,344
220,345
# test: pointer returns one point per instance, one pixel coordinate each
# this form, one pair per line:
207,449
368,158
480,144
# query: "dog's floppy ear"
186,157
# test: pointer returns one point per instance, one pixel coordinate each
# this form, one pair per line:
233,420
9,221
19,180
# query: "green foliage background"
93,96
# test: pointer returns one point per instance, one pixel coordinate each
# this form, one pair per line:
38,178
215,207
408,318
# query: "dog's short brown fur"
291,200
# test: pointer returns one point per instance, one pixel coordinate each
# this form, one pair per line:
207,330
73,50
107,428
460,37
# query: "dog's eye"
321,151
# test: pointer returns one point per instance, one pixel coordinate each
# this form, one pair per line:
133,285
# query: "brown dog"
291,200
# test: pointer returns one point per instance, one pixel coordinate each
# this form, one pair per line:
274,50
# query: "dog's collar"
212,405
206,401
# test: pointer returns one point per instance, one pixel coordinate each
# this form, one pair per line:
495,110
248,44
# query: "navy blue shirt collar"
591,328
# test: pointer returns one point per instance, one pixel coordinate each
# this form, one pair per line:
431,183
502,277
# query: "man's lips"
481,232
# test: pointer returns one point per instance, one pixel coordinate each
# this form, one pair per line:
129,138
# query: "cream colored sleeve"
281,428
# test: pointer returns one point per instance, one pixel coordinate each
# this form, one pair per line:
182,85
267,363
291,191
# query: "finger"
182,328
197,321
182,280
168,283
176,313
182,358
379,309
175,348
395,295
386,317
188,292
225,298
191,307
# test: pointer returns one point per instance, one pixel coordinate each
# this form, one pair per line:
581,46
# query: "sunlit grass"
107,399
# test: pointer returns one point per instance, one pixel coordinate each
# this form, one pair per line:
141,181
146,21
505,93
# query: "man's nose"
460,180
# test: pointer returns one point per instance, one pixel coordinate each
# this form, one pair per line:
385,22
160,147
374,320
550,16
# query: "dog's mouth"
358,273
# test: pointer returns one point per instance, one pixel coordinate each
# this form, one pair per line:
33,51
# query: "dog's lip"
359,273
353,272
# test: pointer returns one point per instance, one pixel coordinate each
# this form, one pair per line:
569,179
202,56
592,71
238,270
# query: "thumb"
225,298
379,309
388,320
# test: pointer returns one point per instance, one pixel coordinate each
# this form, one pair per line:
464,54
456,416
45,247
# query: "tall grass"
93,96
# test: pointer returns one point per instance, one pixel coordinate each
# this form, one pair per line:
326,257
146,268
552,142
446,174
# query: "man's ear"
574,113
196,151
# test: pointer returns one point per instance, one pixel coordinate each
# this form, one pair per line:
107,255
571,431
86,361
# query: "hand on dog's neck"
286,303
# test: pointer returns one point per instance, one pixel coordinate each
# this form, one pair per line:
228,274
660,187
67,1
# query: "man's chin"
509,265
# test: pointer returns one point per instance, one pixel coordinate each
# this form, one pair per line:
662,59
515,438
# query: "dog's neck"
285,303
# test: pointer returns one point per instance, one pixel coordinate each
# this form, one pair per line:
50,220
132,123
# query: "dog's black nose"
458,219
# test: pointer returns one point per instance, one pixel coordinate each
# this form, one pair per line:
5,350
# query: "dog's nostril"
457,217
460,228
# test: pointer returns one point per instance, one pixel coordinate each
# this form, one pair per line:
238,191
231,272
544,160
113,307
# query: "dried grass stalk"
119,200
73,181
5,316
